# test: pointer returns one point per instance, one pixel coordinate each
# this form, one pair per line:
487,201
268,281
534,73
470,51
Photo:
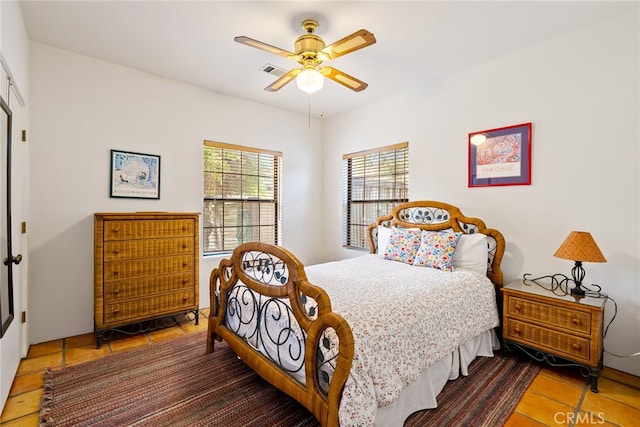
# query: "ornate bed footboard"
282,326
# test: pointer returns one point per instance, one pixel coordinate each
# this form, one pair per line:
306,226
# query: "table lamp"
580,247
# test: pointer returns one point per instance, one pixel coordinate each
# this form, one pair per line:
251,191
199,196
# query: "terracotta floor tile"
621,377
74,356
542,409
22,404
610,410
31,420
567,374
587,419
135,341
24,383
80,341
40,363
45,348
619,392
557,389
192,327
520,420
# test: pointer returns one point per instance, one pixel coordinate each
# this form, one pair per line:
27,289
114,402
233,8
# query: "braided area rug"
175,384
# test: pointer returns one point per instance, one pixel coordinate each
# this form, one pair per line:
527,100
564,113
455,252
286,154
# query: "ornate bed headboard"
436,216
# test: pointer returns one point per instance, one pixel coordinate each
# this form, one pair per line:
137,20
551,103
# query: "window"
241,196
375,181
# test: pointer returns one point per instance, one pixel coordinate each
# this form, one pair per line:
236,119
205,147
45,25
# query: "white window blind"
375,181
241,196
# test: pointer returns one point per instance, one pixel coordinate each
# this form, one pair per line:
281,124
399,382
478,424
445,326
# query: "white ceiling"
417,41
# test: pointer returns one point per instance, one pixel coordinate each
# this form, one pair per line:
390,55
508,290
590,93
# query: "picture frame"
500,156
134,175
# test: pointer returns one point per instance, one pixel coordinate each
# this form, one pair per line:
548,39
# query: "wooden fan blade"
343,78
263,46
283,80
348,44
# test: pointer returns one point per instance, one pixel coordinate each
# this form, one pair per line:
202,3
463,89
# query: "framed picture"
500,156
135,175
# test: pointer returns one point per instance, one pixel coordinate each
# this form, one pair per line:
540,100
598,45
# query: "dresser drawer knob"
518,307
575,321
184,228
575,346
116,272
116,291
116,251
517,329
185,281
116,311
185,263
184,246
185,299
115,230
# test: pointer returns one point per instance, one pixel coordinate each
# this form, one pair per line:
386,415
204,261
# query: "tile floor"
557,397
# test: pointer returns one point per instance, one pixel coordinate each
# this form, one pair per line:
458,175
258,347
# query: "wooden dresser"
554,325
145,268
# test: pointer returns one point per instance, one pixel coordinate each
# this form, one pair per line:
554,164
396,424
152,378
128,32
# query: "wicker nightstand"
560,329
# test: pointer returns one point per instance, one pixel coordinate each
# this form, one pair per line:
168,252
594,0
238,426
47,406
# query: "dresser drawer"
135,310
148,229
117,270
120,290
564,318
129,249
576,348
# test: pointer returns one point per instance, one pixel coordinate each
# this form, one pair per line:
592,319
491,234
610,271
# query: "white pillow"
384,233
472,253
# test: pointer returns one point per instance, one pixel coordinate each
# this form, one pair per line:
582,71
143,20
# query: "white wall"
82,108
582,94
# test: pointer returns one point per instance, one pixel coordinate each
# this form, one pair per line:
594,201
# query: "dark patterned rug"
175,384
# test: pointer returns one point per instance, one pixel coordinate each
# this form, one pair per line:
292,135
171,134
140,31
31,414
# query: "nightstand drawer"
555,342
574,320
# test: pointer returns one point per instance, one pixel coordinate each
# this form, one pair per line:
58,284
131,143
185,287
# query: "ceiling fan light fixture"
310,52
310,80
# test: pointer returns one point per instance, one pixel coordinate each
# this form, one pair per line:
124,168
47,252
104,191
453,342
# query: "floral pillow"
403,245
436,250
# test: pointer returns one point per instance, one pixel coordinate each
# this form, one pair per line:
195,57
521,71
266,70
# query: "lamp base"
577,290
578,275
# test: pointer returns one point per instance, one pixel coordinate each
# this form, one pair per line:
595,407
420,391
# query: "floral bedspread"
403,318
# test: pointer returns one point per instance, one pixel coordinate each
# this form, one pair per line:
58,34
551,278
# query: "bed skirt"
421,394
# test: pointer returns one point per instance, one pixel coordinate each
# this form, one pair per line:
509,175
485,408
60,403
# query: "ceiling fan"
310,52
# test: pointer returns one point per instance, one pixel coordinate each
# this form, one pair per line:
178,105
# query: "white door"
10,289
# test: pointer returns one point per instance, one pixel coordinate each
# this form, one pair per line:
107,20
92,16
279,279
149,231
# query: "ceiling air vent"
273,70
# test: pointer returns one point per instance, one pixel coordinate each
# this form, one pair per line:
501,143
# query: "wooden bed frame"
258,265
